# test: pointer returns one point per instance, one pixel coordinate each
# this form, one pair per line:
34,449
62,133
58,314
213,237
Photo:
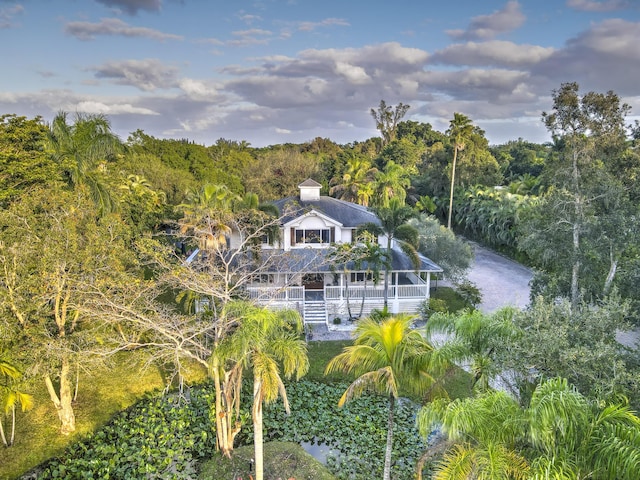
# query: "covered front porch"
326,302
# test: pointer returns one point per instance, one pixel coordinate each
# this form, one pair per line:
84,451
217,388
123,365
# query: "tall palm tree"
559,435
269,344
460,130
393,224
82,149
387,358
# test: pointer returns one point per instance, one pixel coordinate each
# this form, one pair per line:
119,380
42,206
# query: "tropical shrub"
165,437
491,215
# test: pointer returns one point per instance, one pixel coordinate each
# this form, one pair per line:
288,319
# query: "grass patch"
454,301
319,355
282,461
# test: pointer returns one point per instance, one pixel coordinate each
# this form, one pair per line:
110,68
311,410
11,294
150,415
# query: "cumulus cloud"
354,74
148,75
198,90
598,6
7,15
133,6
491,53
484,27
116,27
94,107
605,57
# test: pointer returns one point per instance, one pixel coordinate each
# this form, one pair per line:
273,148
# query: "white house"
305,277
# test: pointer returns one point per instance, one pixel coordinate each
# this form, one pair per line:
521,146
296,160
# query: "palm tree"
387,358
355,183
559,435
460,129
474,338
12,397
82,150
267,342
392,182
393,224
206,215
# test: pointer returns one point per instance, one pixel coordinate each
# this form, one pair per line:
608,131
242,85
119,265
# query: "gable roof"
351,215
310,182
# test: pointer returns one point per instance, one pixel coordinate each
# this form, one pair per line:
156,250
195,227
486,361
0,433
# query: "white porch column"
341,285
428,294
395,305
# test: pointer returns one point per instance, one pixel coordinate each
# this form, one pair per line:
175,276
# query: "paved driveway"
501,281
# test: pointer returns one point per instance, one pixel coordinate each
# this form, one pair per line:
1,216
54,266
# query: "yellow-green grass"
102,393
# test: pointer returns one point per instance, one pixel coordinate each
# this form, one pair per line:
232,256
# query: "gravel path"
501,281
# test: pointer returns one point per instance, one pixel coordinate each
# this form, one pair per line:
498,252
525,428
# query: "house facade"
308,277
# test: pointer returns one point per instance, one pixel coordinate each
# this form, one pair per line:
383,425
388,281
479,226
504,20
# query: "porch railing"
295,294
404,291
284,294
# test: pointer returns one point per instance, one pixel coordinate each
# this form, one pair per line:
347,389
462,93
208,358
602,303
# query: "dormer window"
313,235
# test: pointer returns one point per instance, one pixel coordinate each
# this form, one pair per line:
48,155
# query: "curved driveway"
501,281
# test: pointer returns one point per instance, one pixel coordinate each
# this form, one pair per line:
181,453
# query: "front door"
313,281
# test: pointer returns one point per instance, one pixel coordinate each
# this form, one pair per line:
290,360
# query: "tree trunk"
387,454
389,261
226,425
62,403
257,428
13,424
577,225
2,437
453,177
613,267
430,453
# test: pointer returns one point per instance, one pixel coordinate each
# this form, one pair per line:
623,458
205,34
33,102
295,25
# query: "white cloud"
491,53
595,6
89,106
198,89
484,27
114,27
354,74
148,74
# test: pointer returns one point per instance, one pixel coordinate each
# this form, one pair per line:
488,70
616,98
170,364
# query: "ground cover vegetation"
94,231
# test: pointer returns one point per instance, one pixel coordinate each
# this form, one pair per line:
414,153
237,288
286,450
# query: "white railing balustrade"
270,293
412,291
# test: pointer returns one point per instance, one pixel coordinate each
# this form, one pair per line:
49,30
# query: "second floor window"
313,236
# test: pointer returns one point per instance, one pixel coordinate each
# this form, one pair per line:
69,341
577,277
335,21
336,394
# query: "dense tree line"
86,266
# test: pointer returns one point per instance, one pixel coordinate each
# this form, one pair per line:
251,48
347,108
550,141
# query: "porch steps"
315,312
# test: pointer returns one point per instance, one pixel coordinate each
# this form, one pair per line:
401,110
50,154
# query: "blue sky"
276,71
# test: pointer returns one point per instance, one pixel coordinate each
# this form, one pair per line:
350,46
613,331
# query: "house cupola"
309,190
